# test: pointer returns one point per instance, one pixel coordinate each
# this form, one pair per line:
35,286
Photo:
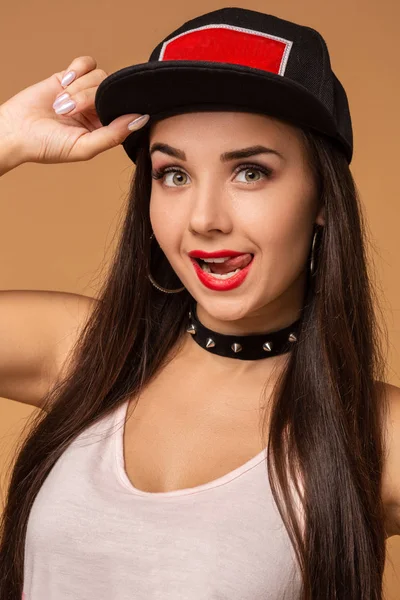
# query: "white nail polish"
60,99
138,122
65,107
68,77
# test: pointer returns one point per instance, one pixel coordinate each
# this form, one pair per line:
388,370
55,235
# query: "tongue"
236,262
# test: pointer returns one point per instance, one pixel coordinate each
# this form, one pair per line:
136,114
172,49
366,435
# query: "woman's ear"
320,219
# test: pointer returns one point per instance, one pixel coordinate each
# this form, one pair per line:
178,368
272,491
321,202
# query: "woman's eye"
251,171
162,174
179,177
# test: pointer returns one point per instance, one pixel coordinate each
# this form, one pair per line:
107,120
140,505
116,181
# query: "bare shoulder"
391,471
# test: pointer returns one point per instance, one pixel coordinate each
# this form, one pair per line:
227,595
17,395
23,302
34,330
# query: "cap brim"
166,88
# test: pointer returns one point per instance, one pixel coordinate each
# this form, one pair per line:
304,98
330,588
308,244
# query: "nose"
210,211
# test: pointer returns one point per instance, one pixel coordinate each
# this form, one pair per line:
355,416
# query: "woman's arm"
10,152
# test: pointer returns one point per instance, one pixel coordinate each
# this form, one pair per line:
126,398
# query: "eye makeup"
159,173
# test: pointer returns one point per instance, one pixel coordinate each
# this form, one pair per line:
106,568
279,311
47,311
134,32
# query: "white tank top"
92,535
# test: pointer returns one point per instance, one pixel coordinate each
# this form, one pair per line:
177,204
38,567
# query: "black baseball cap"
233,59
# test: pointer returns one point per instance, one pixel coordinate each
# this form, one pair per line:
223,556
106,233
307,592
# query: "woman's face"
212,203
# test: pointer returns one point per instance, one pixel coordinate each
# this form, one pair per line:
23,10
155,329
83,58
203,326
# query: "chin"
227,309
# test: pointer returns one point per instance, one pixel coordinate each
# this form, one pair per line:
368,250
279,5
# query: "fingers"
86,77
106,137
78,67
88,80
84,100
77,95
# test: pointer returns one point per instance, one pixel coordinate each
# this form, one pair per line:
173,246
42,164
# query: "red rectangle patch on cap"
229,44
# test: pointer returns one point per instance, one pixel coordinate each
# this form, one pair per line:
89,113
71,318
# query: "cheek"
275,223
167,224
281,231
283,246
282,216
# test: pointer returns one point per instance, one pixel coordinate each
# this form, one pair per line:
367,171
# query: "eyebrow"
226,156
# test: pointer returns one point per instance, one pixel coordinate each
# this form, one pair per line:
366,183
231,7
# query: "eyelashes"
160,173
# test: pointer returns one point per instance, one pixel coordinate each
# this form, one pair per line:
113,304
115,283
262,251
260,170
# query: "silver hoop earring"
159,287
312,261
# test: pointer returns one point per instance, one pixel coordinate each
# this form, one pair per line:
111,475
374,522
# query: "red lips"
220,285
215,254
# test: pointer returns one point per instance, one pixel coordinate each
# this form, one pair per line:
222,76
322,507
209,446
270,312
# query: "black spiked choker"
244,347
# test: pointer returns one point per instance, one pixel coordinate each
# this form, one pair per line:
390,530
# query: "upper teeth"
216,260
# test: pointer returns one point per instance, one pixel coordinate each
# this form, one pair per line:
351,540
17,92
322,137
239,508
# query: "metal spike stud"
236,347
267,346
210,343
191,329
292,338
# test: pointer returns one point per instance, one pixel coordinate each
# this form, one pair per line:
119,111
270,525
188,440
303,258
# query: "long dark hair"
327,418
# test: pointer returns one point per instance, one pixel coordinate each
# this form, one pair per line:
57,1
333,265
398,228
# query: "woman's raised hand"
37,133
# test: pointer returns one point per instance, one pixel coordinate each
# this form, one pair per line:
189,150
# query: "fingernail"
60,99
65,107
68,77
136,123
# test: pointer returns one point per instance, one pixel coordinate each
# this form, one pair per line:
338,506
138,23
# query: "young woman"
217,423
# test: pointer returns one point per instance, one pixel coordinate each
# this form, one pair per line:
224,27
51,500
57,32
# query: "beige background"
58,221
